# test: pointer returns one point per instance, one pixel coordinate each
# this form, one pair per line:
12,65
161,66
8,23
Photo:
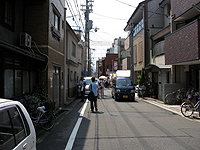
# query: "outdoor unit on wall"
25,39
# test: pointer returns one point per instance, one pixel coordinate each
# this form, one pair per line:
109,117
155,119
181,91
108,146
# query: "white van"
16,128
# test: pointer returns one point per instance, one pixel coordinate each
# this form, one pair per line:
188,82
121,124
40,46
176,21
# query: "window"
75,76
20,79
25,82
12,127
56,21
71,75
7,14
32,80
73,49
8,84
135,54
138,28
140,52
18,85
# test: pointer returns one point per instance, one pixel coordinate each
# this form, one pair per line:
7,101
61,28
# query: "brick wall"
180,6
182,45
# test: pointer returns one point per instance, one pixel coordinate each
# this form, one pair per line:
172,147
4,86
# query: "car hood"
125,87
87,86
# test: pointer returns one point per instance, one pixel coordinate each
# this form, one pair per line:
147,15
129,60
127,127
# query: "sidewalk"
176,109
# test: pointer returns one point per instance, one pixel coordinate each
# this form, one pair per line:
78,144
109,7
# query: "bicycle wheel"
47,121
187,109
170,99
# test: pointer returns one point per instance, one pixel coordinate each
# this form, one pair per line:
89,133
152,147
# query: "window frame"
7,18
56,24
73,49
14,136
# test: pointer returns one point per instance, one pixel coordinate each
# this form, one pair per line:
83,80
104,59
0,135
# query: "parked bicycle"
175,97
41,116
45,119
188,108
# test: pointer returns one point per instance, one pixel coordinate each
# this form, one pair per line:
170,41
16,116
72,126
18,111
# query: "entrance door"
155,82
56,87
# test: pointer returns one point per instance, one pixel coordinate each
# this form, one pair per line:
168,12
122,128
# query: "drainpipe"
65,56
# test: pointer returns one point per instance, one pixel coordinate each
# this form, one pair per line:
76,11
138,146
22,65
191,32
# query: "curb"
176,109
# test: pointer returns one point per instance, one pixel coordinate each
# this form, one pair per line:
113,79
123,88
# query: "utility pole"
88,26
132,52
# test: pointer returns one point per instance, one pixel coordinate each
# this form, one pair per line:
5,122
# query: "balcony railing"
159,48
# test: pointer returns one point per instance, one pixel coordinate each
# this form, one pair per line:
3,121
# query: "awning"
150,66
23,51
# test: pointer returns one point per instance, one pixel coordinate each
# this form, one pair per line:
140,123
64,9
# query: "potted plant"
141,79
32,100
153,90
41,93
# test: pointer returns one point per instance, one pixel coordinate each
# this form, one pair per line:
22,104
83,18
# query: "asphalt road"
121,125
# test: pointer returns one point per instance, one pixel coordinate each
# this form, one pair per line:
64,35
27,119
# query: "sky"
109,16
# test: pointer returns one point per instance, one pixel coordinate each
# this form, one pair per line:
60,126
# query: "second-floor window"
56,21
7,14
73,49
138,27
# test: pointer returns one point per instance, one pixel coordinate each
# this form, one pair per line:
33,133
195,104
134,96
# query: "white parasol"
102,77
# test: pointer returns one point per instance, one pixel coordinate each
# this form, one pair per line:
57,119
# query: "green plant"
153,89
31,99
41,92
154,58
142,78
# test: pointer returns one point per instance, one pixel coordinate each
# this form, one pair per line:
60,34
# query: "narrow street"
122,125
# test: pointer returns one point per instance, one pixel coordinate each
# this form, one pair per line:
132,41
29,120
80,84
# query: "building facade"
38,46
150,26
182,45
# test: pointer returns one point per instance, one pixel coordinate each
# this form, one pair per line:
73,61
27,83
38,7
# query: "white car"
16,128
88,81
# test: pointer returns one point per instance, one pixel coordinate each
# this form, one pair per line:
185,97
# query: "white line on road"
84,107
70,142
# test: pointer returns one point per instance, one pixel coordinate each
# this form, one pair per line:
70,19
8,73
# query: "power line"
125,3
72,13
109,17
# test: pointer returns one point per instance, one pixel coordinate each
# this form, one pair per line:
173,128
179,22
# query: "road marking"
70,142
84,107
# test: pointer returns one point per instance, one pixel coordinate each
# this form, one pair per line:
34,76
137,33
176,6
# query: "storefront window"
8,84
18,83
25,82
32,80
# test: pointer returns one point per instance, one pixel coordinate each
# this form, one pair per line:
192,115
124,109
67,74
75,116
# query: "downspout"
65,57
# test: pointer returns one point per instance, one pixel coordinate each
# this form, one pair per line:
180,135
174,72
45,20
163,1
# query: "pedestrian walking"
99,90
82,88
102,88
94,87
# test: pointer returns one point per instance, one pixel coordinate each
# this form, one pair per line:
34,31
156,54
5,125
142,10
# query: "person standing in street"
102,88
82,88
94,87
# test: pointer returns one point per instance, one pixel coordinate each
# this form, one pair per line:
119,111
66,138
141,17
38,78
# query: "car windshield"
88,81
124,82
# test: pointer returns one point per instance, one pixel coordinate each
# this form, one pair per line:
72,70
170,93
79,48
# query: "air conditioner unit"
25,39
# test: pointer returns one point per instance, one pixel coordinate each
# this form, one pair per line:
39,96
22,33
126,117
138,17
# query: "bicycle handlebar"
42,108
